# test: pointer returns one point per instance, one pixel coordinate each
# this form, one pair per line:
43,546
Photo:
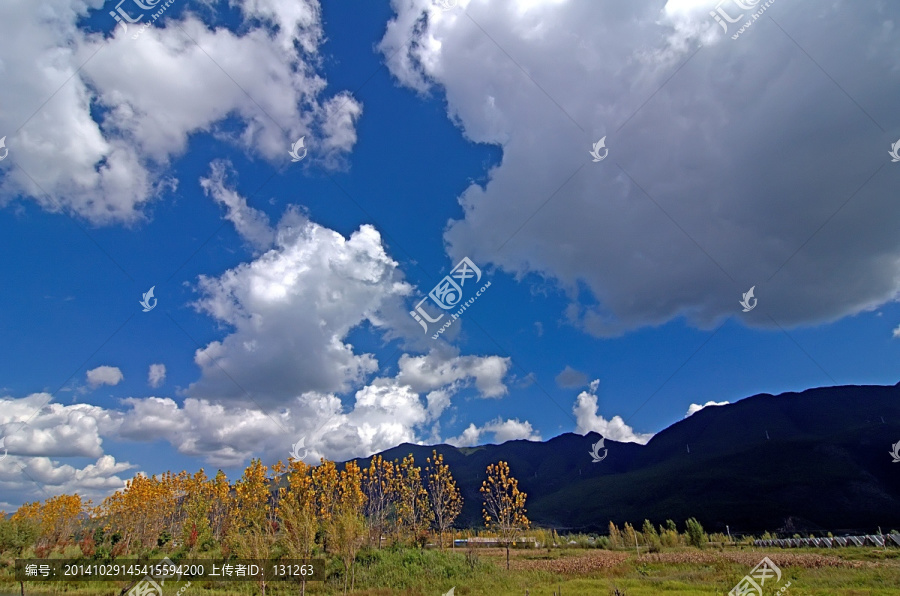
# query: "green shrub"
694,532
654,543
16,535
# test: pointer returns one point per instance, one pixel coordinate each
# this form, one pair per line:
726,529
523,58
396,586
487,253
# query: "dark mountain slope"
825,462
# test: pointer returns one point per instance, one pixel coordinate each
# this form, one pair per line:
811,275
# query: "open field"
575,572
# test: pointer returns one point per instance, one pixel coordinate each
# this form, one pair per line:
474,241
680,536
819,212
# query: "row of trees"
654,540
293,510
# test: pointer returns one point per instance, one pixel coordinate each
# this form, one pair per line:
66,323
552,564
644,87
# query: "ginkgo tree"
504,504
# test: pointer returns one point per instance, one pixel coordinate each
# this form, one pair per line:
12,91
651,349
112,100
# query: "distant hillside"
824,465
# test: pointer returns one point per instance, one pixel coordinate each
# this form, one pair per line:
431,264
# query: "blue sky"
284,289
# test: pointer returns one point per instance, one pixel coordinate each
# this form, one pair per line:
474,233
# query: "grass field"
572,572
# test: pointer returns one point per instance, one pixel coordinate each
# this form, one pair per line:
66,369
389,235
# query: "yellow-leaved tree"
325,482
380,487
297,514
196,531
348,524
251,531
57,520
414,512
443,494
220,490
504,504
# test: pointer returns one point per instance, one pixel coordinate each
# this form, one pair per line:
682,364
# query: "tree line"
290,510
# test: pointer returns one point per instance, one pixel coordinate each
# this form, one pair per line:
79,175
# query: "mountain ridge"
799,461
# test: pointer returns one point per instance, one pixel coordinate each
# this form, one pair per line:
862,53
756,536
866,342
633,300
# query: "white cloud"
588,420
424,373
157,375
34,432
689,145
35,478
512,429
146,91
35,426
503,431
250,223
104,375
694,408
438,401
383,415
469,437
291,310
897,332
223,436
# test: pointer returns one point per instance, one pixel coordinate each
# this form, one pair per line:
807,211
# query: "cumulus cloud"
588,420
104,375
694,408
34,478
291,310
570,378
157,375
35,432
897,332
424,373
101,146
33,425
502,430
723,149
381,415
